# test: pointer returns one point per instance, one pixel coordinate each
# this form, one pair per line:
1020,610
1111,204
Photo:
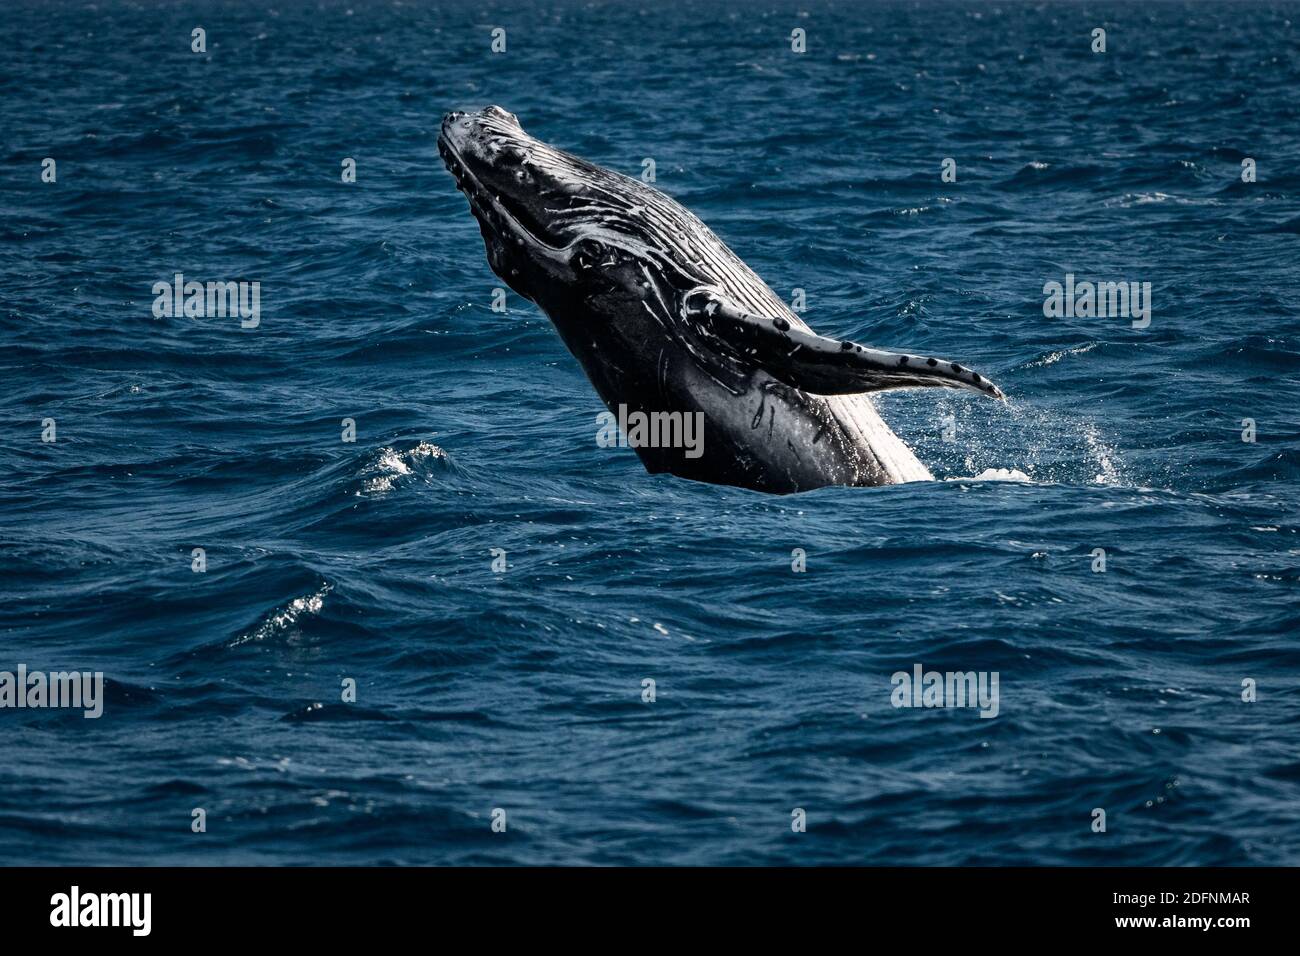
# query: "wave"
390,465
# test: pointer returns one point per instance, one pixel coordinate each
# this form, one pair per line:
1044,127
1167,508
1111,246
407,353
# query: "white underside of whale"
859,417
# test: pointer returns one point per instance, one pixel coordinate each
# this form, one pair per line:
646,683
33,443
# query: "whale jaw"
515,251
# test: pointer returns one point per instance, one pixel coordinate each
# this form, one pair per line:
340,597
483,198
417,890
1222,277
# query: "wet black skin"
620,310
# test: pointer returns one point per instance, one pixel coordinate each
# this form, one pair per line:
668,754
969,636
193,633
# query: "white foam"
996,474
393,464
284,619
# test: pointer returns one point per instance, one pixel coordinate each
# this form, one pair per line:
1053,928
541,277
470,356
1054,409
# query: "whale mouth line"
487,207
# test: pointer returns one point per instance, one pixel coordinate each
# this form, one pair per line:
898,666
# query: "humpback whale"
664,318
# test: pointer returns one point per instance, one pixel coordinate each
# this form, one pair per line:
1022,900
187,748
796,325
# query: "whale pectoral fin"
821,365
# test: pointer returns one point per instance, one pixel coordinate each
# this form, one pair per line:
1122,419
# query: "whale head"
552,221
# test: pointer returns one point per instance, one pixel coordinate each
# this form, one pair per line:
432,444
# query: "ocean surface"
522,690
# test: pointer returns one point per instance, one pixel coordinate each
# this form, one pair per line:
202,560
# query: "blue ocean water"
475,430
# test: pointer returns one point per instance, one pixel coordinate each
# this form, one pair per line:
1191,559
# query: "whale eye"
588,253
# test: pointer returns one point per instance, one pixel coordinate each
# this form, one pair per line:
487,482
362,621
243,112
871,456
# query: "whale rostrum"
666,320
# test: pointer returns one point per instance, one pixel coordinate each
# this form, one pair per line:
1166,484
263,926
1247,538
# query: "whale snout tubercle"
500,113
482,119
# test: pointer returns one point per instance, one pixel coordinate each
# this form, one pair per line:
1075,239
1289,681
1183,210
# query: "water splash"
391,465
284,621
